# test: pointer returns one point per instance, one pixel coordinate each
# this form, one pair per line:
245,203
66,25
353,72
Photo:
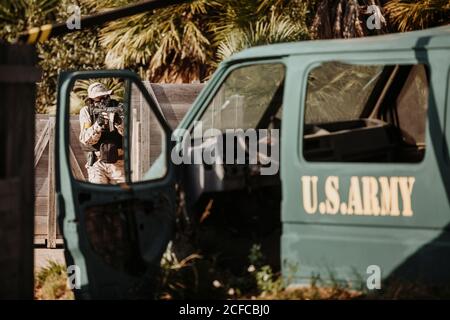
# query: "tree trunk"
347,19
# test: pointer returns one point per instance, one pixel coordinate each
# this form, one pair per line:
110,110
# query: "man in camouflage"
105,161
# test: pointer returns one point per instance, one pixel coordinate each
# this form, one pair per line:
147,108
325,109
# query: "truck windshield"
244,97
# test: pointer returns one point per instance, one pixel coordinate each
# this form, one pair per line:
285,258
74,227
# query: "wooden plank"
152,94
155,144
135,144
41,206
41,189
75,166
51,226
39,128
176,93
41,176
145,137
138,152
41,226
39,240
136,98
78,151
41,186
41,144
175,99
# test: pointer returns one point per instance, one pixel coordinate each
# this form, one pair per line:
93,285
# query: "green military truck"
332,155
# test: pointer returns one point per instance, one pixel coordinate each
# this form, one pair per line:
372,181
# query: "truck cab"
331,155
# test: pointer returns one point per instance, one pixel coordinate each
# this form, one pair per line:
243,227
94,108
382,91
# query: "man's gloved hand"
117,119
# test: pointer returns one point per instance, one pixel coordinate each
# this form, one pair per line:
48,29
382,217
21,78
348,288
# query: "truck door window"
244,97
97,152
412,105
365,113
339,92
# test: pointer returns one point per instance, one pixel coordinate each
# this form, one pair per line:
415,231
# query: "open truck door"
115,219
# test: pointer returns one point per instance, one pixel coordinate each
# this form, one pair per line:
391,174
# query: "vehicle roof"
429,38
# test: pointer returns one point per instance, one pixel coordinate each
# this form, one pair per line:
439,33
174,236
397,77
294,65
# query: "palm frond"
159,40
99,5
410,15
278,28
19,15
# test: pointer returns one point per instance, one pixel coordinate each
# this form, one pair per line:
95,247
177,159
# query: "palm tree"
348,19
345,19
245,24
18,15
183,43
170,44
277,28
410,15
80,50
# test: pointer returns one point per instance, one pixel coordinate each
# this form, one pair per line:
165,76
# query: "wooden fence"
173,100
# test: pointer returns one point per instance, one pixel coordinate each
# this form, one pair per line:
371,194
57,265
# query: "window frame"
203,105
312,64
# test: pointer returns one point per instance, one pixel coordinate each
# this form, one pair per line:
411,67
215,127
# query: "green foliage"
268,282
184,43
344,19
176,44
197,277
76,51
193,277
410,15
181,43
256,258
278,28
245,24
168,44
18,15
99,5
201,277
51,283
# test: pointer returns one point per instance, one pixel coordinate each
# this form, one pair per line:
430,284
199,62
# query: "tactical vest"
113,137
107,136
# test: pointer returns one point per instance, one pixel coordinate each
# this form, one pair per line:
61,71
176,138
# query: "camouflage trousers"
106,173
